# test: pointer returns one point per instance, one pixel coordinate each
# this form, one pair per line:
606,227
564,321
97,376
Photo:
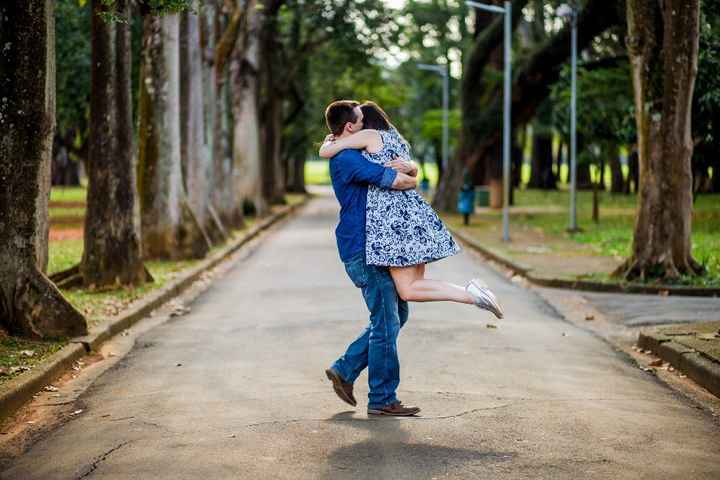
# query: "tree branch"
228,40
535,77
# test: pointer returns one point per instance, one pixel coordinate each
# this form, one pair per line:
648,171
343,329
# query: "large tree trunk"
30,304
663,48
112,253
482,114
193,150
273,185
246,149
169,226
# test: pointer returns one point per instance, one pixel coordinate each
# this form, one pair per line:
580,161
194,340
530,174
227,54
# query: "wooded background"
183,117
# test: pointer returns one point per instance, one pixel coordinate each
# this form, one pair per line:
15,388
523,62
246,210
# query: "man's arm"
355,168
404,182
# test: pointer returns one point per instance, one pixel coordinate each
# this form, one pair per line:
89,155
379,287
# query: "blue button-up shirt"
351,174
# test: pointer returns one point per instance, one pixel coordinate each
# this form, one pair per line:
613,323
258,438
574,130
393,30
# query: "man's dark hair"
338,113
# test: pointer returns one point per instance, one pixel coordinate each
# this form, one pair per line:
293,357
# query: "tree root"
58,277
216,229
37,309
72,281
661,269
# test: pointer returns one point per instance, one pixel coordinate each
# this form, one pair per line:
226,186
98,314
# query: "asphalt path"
235,389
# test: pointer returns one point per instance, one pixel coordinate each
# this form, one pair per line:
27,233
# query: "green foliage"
604,104
706,98
72,23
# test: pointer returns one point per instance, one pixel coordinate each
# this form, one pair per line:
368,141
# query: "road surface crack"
94,465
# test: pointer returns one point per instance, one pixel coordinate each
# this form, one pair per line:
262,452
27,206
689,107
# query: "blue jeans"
376,348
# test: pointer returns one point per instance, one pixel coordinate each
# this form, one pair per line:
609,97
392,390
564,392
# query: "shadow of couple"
392,451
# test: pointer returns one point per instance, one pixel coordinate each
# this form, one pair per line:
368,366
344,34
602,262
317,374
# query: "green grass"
64,254
68,194
613,234
97,305
11,355
74,213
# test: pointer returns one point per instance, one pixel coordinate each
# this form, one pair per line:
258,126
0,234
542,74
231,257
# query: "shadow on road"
391,452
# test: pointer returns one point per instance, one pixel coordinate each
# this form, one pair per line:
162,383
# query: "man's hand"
404,182
408,168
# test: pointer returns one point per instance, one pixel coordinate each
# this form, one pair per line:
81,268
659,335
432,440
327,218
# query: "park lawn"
611,237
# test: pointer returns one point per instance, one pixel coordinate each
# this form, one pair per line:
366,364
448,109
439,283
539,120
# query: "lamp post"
570,11
442,70
507,11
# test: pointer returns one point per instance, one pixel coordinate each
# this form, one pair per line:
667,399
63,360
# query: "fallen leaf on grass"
19,369
27,353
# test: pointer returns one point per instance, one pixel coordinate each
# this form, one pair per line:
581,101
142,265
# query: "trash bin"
466,202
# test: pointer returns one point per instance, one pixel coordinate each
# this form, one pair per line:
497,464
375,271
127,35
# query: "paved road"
534,398
650,310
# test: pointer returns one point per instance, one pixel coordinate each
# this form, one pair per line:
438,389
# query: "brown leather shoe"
396,409
342,389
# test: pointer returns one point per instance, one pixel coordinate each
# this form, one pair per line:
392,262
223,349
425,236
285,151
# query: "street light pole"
445,132
443,71
573,119
507,92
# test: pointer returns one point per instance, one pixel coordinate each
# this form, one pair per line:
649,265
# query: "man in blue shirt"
376,347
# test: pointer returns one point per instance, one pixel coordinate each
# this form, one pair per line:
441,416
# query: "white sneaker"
484,298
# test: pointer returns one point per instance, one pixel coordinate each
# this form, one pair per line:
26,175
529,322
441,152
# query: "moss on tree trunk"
169,227
112,251
663,48
30,304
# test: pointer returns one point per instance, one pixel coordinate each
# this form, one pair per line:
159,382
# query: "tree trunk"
246,149
541,175
193,149
273,188
30,304
169,227
617,183
663,48
112,253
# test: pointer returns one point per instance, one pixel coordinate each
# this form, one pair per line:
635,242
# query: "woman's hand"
329,138
402,166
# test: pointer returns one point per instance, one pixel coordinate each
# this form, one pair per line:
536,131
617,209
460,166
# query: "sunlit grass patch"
68,194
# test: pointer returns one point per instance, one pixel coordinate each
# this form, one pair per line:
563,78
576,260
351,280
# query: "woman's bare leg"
412,286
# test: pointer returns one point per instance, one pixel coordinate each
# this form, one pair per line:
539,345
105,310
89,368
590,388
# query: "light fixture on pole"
507,12
571,11
442,70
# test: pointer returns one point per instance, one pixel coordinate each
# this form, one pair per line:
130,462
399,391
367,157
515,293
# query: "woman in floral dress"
403,232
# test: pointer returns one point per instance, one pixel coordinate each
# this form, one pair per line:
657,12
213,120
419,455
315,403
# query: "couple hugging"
386,235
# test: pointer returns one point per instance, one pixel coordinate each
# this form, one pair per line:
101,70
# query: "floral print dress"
401,228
